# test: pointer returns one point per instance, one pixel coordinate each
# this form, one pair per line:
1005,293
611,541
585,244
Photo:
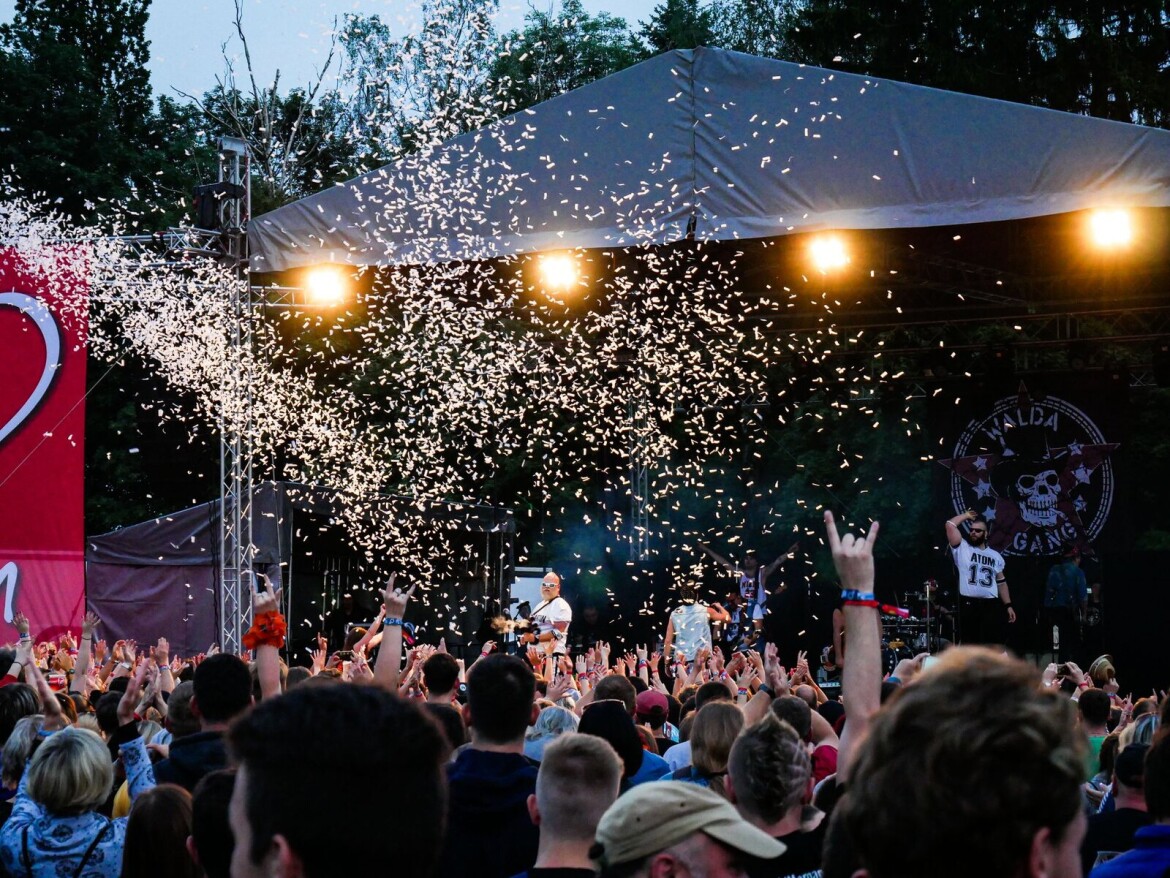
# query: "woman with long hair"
156,835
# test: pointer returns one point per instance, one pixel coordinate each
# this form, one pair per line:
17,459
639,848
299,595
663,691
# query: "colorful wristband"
852,594
871,603
391,622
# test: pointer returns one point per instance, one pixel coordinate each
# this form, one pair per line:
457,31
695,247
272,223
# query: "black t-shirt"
1111,832
802,859
664,744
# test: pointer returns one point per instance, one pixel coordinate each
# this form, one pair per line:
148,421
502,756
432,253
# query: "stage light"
326,286
1111,229
558,271
828,253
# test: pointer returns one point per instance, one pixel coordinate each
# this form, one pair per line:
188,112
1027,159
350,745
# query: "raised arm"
84,651
268,630
389,665
861,678
716,613
954,535
371,632
719,558
788,555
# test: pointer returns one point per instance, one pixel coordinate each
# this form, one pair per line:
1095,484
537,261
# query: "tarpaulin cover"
161,577
726,146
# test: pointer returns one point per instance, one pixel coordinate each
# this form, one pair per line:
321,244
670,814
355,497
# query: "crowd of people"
124,760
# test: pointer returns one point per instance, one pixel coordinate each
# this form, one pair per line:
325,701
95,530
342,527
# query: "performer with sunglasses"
985,602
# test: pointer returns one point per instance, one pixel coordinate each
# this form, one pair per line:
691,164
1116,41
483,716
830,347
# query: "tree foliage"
77,117
425,87
1109,60
678,24
558,52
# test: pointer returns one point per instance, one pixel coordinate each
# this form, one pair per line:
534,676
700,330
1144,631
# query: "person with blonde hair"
55,828
579,779
717,724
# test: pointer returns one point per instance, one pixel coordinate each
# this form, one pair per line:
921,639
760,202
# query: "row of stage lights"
328,286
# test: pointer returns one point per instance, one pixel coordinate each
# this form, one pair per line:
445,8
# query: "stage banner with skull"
1039,459
42,431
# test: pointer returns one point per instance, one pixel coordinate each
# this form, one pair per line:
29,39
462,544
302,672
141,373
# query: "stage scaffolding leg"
237,420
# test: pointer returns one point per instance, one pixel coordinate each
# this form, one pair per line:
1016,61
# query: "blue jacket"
489,832
56,844
1150,856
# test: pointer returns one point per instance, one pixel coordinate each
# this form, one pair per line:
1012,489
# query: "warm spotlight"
558,271
1111,229
828,253
326,286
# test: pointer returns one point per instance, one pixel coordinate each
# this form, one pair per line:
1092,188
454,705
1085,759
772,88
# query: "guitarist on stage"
550,619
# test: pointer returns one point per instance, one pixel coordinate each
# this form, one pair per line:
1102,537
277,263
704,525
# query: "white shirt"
692,629
681,759
979,567
550,612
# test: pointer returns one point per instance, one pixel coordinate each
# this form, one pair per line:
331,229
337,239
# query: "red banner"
42,448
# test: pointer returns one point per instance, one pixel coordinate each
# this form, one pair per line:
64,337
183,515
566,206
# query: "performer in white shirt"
983,588
551,618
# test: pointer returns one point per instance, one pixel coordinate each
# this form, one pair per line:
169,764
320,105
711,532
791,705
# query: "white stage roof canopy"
725,146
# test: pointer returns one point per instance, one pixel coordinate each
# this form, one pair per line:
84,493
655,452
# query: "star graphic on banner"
1073,460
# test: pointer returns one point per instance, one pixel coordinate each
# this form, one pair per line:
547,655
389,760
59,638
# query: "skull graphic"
1037,495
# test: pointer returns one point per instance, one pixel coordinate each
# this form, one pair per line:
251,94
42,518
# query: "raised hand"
556,689
89,623
319,657
603,651
267,600
130,650
360,668
756,660
579,666
162,653
20,621
774,671
717,655
99,651
130,697
535,657
54,717
394,600
852,556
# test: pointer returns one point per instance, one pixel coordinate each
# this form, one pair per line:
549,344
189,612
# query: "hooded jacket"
489,832
191,757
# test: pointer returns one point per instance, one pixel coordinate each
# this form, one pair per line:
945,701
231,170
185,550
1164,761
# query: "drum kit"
930,627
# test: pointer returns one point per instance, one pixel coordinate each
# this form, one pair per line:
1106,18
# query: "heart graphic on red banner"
45,372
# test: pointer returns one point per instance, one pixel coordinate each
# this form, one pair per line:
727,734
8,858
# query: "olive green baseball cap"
655,816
